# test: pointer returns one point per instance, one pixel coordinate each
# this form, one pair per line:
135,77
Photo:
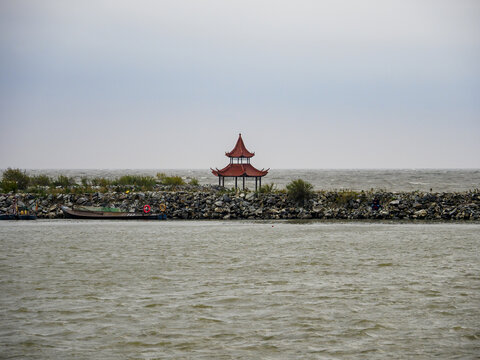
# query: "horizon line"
283,168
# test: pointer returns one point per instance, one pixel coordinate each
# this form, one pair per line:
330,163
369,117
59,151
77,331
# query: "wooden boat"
109,215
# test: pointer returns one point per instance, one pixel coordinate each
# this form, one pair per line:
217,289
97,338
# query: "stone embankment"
212,203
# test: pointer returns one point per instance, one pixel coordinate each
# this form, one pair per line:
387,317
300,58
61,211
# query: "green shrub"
172,180
16,175
194,182
80,190
40,180
99,181
8,186
145,181
229,191
267,189
37,190
64,181
343,197
299,191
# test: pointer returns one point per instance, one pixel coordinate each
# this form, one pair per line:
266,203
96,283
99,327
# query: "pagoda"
240,166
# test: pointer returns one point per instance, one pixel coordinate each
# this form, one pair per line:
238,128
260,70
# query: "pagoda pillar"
236,178
244,182
256,181
260,182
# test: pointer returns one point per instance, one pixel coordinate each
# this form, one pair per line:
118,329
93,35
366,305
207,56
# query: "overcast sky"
309,84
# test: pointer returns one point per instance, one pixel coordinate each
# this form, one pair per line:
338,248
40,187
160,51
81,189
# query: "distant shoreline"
404,180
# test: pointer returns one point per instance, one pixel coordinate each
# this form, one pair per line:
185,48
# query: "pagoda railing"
239,160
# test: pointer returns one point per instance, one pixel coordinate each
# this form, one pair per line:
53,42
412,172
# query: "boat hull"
103,215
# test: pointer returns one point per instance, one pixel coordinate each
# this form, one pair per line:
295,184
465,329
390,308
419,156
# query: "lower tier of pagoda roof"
232,170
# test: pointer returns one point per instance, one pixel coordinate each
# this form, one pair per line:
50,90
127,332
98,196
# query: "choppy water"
239,290
439,180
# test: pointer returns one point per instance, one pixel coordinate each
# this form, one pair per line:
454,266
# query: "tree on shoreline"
299,191
14,179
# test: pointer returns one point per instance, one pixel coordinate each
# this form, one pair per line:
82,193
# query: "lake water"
239,290
439,180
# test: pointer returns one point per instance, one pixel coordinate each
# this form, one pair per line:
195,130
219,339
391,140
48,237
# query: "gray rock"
81,200
271,201
417,205
421,213
452,212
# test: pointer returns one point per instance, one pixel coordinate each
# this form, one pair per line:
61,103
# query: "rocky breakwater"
217,204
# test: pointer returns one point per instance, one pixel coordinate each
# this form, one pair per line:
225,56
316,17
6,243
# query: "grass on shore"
16,180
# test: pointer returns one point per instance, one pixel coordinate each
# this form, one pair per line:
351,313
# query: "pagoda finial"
240,150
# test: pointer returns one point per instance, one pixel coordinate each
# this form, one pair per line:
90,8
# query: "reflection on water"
239,290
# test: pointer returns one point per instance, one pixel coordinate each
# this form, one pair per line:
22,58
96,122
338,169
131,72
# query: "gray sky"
309,84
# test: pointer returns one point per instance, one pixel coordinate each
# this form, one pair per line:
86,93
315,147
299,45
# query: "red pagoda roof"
239,170
240,150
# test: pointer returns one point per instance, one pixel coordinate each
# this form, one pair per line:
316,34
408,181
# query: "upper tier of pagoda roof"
232,170
240,150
